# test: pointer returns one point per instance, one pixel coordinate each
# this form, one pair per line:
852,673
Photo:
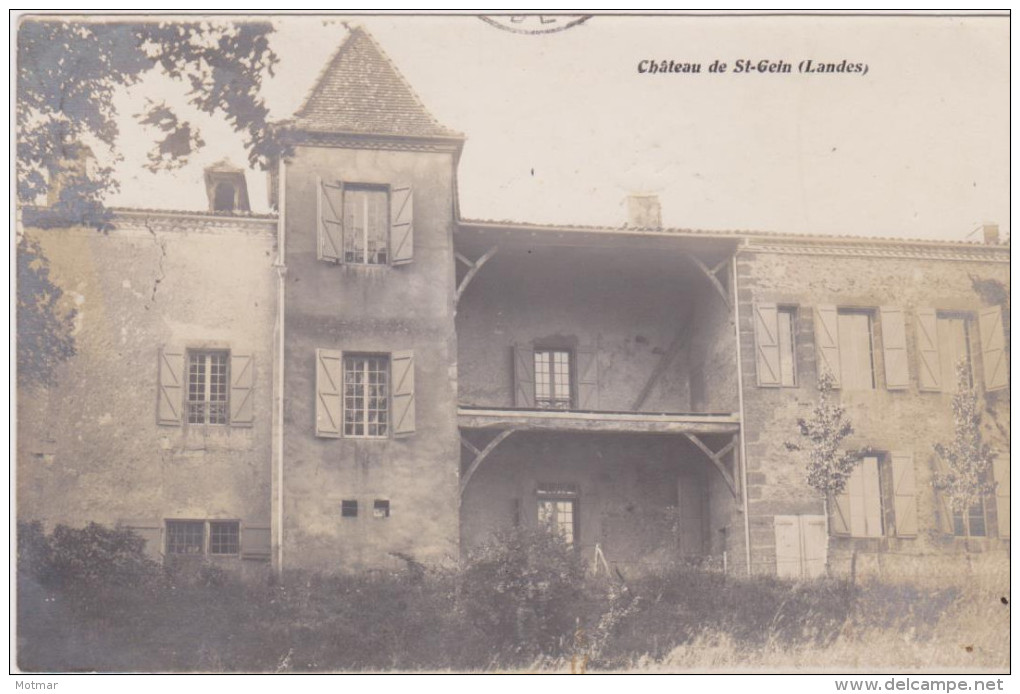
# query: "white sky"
560,127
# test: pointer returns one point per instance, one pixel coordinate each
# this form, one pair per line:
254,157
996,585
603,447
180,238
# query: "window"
971,522
224,537
366,395
349,508
224,197
775,353
856,361
189,537
207,387
552,379
858,511
953,335
366,225
557,510
381,508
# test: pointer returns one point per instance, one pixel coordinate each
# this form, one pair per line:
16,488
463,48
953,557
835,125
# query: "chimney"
644,211
991,232
226,187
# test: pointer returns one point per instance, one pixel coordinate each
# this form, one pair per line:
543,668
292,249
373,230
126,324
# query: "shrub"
522,590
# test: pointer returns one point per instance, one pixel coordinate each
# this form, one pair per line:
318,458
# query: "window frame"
869,313
381,509
355,187
206,525
570,400
791,311
365,423
968,320
883,478
349,508
558,494
207,355
966,518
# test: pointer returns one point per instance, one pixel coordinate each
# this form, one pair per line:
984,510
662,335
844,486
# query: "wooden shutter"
766,344
242,399
1000,471
587,379
943,510
152,532
329,383
788,554
329,212
402,393
827,341
814,546
929,369
171,387
894,348
904,493
256,542
857,506
993,348
872,497
840,513
524,377
402,224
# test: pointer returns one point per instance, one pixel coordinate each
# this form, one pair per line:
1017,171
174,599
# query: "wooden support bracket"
730,472
473,268
713,276
480,456
679,341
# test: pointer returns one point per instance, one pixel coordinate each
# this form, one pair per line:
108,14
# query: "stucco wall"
581,298
370,309
89,448
902,420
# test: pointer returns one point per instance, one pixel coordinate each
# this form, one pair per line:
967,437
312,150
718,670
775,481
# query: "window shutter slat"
587,379
150,530
827,339
329,213
993,348
256,542
814,544
766,344
402,224
524,377
904,494
1000,471
402,395
929,369
328,392
171,387
840,514
894,344
242,398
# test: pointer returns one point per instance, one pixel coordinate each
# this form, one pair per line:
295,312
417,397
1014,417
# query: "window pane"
976,519
208,387
552,379
366,396
558,515
185,537
224,537
366,226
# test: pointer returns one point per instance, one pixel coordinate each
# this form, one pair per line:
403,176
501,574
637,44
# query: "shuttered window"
553,379
856,360
970,522
364,395
894,349
203,387
365,224
858,510
801,546
1000,471
993,348
954,348
904,494
774,345
929,369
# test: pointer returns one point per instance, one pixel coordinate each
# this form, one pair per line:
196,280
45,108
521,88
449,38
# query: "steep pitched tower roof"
361,91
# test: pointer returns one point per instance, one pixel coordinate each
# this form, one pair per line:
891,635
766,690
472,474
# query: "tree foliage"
967,460
829,464
45,325
69,73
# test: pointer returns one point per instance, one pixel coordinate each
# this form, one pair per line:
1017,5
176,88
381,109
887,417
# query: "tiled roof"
361,91
723,233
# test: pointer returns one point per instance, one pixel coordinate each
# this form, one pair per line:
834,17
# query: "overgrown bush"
522,590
